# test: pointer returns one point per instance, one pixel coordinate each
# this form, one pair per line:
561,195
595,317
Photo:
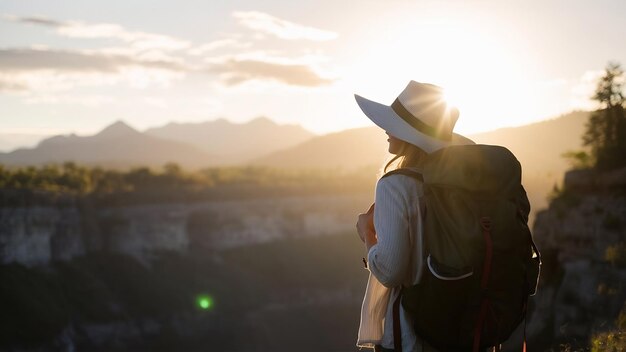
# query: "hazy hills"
538,146
118,145
213,143
235,143
346,149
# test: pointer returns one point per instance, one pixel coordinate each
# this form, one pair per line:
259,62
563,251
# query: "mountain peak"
221,121
117,129
262,120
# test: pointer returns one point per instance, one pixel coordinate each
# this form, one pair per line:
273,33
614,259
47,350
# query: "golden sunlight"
478,70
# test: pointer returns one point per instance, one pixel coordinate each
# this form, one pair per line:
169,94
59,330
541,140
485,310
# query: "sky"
78,66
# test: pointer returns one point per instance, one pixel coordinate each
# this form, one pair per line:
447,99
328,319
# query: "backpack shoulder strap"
405,171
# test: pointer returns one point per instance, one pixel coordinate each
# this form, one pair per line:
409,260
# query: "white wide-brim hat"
420,116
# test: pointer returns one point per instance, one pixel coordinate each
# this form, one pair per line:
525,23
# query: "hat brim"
384,117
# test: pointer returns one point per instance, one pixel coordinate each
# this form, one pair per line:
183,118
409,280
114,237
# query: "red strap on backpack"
485,223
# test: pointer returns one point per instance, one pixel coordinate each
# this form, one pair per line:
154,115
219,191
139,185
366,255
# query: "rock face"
37,235
34,236
581,237
80,277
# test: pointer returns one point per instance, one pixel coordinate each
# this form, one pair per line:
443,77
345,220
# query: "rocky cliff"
582,237
76,276
37,235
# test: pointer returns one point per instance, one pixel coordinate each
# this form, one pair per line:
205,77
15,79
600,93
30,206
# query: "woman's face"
395,144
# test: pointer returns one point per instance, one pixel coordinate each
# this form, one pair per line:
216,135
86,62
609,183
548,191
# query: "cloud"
91,101
37,20
77,29
217,44
280,28
145,59
29,59
155,102
236,70
36,69
12,86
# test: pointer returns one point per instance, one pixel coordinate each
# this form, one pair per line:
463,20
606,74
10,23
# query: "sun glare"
478,69
451,98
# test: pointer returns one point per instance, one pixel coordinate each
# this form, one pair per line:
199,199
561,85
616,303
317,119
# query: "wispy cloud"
78,29
238,69
28,59
12,86
37,20
280,28
37,69
142,59
218,44
91,101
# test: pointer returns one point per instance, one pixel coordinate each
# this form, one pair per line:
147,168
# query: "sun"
452,98
479,70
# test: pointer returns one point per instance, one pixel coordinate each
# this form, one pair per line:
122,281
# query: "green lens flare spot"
205,302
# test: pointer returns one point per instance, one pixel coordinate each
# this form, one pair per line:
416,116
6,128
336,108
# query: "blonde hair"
409,156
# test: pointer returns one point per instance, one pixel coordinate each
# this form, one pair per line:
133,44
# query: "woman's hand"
365,227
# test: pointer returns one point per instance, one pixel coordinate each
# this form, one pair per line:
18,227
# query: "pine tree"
606,129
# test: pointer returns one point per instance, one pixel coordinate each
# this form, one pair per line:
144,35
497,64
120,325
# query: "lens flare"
204,302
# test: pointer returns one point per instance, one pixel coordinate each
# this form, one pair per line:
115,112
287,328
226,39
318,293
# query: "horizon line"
38,132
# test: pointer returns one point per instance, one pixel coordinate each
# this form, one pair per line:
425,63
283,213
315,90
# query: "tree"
606,129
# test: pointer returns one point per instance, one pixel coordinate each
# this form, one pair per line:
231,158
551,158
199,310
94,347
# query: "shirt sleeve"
388,260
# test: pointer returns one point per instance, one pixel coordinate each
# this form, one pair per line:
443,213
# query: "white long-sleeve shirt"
394,261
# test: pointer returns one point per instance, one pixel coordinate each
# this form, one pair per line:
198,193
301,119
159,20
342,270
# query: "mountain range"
192,145
346,149
118,145
234,143
261,142
538,146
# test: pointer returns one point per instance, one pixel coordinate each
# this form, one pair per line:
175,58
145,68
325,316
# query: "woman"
418,122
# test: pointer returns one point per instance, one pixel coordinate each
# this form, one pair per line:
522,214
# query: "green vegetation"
616,255
578,160
613,340
605,142
606,129
145,185
53,178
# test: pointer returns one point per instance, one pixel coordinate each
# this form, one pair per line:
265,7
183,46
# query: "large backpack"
481,264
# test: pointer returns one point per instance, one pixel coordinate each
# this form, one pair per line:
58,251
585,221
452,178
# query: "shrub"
616,255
